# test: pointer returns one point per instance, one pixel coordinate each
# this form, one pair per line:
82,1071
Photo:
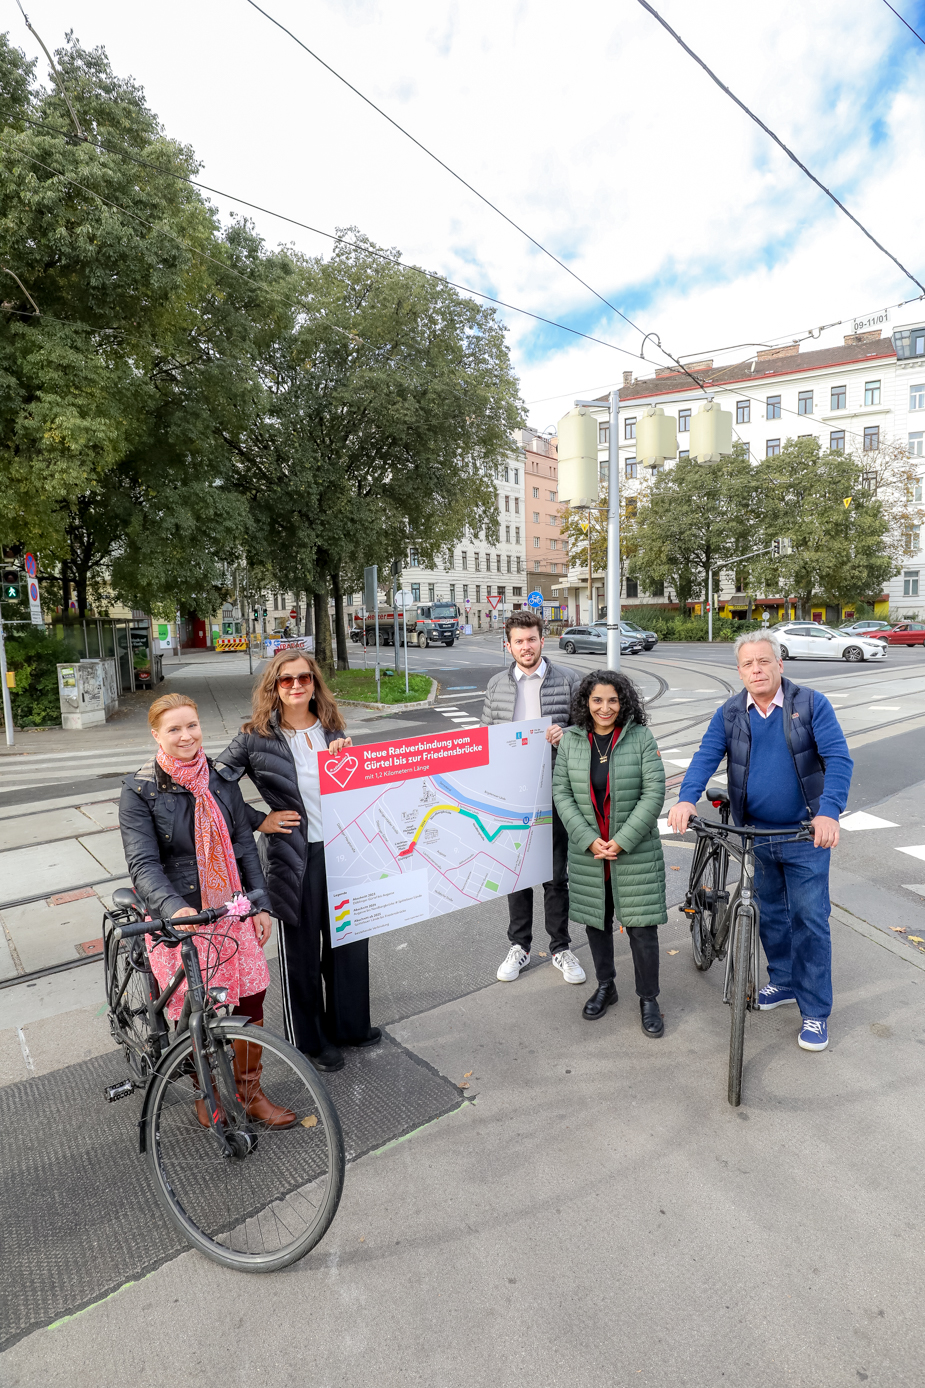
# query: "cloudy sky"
589,127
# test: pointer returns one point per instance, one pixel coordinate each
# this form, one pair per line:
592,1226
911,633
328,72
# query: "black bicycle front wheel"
267,1198
740,987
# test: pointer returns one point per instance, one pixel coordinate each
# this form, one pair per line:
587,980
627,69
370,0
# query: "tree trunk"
323,653
309,613
340,630
65,587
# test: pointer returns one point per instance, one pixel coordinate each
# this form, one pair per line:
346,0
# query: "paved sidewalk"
596,1214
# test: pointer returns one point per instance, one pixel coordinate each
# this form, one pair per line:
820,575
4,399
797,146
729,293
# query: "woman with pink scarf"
190,847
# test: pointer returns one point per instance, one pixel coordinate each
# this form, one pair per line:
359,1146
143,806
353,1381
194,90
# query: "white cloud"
588,125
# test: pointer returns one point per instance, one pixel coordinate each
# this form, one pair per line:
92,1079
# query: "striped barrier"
231,643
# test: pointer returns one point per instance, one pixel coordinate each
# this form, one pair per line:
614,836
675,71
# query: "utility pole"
7,702
612,589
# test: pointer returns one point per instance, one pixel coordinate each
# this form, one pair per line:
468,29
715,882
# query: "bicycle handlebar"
710,826
176,927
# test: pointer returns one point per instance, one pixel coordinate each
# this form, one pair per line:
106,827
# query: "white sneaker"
569,967
516,960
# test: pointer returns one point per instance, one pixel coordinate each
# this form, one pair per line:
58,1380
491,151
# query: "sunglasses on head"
287,681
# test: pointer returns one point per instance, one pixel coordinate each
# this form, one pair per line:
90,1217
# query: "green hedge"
34,656
672,626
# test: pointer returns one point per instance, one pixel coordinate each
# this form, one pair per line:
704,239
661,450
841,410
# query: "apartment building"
855,396
546,548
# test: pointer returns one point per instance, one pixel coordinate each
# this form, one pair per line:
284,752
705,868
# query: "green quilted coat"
637,794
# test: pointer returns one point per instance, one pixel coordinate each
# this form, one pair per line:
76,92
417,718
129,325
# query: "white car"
813,641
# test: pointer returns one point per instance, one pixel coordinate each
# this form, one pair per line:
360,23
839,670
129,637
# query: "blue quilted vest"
798,730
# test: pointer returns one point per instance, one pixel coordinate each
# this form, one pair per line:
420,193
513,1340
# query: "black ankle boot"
652,1021
599,1001
328,1059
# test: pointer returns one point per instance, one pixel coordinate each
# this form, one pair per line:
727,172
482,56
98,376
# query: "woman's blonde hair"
266,700
167,702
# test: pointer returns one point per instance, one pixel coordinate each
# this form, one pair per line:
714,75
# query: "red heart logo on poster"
342,768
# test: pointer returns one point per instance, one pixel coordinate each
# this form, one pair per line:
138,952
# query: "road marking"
918,887
860,820
680,761
914,851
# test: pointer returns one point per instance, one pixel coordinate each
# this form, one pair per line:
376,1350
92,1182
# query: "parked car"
813,641
864,628
648,638
903,634
594,640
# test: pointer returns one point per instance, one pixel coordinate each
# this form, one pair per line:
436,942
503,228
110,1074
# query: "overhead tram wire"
381,255
777,140
481,196
904,21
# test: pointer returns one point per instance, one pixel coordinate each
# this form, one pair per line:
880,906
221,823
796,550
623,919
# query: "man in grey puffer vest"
532,687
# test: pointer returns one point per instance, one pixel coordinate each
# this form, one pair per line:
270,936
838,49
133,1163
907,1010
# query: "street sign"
292,613
468,603
404,597
535,599
30,565
494,602
35,607
872,320
371,587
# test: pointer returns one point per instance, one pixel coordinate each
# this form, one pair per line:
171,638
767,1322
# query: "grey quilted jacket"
556,693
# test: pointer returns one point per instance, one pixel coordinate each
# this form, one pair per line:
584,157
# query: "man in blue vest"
787,761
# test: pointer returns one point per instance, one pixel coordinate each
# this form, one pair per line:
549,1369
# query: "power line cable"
777,140
904,21
481,196
330,236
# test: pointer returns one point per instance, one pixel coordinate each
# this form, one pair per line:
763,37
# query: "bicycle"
249,1196
724,924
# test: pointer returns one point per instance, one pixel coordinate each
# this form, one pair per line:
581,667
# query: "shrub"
34,656
674,626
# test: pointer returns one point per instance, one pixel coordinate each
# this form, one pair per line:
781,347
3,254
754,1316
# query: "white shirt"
527,697
305,744
776,702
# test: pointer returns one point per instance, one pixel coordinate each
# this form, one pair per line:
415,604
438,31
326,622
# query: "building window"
603,434
684,421
476,560
805,402
918,344
871,392
465,558
917,397
516,476
772,448
743,411
629,429
536,493
536,517
498,563
839,397
507,475
509,563
488,563
452,592
517,592
917,491
683,453
465,591
910,583
536,542
536,566
916,448
772,410
507,534
746,451
516,505
431,592
632,588
554,568
658,589
631,504
516,534
507,503
871,437
501,593
837,441
552,496
415,592
478,592
631,468
413,560
553,544
519,566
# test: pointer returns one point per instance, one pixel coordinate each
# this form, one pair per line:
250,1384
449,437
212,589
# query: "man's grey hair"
751,638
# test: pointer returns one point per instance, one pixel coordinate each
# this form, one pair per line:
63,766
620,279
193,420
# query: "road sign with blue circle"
535,599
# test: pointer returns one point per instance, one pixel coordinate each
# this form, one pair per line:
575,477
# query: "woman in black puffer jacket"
325,990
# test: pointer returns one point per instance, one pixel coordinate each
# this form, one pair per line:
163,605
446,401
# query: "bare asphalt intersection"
588,1208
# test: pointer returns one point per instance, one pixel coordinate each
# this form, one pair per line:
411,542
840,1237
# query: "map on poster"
421,826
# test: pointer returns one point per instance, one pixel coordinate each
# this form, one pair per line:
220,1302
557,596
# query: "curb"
394,708
876,935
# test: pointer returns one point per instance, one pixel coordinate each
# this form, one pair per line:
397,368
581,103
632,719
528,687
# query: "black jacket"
157,820
271,766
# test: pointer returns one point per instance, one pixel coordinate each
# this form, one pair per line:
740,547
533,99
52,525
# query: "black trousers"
643,942
555,899
325,990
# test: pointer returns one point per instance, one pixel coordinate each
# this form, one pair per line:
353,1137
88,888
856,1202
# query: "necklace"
604,755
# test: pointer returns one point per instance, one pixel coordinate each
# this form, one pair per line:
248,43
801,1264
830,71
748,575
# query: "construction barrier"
231,643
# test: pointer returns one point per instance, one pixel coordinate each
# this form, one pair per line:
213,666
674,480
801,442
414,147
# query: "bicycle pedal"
114,1092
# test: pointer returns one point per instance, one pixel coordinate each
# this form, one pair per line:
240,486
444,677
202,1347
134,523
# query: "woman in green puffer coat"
609,787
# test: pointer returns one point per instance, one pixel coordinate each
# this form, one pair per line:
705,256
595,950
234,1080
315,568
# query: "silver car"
594,641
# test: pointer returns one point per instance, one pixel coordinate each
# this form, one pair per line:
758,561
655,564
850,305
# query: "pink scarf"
219,878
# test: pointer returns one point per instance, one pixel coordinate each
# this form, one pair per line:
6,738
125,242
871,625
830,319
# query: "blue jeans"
792,886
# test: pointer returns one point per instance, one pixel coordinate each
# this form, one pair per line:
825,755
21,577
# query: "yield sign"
495,601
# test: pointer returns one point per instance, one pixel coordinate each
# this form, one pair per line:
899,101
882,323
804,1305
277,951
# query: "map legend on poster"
418,827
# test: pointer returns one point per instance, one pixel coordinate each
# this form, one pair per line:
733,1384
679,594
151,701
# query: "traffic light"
256,614
781,547
11,582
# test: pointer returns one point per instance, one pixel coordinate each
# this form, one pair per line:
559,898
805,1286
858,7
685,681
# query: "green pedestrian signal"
11,592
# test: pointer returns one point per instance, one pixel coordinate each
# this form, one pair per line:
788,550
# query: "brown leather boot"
247,1070
202,1113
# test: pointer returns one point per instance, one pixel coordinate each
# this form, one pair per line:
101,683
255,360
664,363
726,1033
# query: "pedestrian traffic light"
10,585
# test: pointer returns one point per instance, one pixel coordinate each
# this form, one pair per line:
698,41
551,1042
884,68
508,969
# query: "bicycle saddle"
126,896
717,797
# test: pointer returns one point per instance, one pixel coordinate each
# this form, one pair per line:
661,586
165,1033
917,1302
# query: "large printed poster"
417,827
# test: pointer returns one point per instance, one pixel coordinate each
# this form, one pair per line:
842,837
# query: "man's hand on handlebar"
679,816
825,831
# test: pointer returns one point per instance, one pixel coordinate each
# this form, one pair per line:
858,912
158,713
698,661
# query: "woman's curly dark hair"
632,707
